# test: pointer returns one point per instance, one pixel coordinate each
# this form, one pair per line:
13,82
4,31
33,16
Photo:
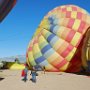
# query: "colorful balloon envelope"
5,7
57,42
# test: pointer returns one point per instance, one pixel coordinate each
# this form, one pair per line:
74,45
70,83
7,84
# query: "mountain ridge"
22,58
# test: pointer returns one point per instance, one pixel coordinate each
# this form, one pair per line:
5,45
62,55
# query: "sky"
18,27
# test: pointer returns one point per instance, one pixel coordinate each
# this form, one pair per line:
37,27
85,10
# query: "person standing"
33,74
44,69
24,73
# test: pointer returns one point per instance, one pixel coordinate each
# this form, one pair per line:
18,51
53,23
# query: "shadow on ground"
83,73
1,79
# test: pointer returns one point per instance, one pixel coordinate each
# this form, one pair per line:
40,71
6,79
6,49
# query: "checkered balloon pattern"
58,39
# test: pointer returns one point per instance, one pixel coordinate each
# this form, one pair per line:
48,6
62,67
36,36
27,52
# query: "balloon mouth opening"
86,50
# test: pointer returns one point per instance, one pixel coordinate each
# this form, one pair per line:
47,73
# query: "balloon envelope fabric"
56,43
5,8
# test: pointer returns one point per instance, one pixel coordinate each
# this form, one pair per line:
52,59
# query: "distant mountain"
22,58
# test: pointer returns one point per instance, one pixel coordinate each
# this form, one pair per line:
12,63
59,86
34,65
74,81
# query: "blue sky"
20,24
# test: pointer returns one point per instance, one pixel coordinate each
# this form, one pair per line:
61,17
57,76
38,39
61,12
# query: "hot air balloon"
5,7
57,42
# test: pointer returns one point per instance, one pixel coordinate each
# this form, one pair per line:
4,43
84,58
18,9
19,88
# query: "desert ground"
48,81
